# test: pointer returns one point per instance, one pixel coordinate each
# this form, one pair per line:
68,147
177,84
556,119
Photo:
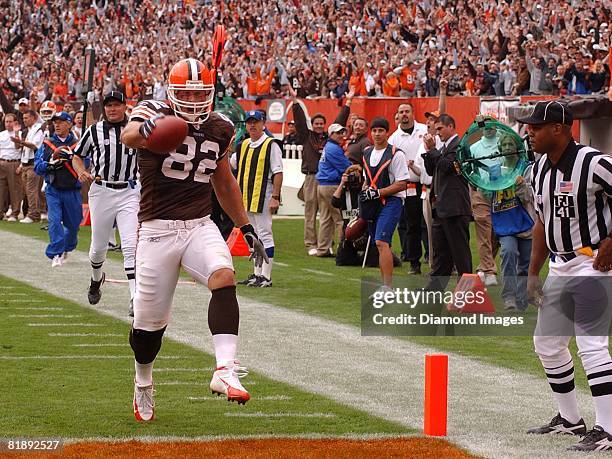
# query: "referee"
114,194
572,187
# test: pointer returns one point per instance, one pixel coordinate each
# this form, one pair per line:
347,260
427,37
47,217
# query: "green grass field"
56,383
317,286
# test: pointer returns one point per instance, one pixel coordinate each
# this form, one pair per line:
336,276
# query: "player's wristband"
248,228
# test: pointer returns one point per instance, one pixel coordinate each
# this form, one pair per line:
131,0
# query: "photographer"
346,198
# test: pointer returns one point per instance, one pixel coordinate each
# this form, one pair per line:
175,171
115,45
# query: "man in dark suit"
450,202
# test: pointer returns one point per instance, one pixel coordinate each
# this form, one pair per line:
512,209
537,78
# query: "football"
168,134
355,229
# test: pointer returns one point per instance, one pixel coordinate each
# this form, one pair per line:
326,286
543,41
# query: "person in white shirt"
10,156
30,180
408,138
386,175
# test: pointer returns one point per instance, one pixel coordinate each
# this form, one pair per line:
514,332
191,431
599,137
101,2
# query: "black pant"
409,228
451,247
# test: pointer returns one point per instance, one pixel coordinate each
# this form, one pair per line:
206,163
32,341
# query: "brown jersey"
176,185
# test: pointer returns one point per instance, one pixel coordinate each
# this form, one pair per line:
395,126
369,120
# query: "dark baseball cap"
549,111
62,116
114,95
254,114
434,113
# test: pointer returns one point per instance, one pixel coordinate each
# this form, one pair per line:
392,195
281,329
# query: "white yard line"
75,335
489,407
51,324
46,316
79,357
100,345
259,398
259,414
279,263
316,271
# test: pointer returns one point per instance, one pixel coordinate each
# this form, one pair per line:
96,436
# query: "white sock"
603,412
266,269
132,284
568,406
96,271
225,348
256,269
144,373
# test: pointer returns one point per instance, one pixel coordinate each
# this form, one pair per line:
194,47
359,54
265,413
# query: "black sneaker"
94,294
415,269
559,425
263,282
596,439
249,280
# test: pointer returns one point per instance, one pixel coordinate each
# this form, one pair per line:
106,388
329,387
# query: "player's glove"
258,253
147,127
370,194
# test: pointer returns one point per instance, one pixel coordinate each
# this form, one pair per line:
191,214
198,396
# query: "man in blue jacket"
53,161
332,165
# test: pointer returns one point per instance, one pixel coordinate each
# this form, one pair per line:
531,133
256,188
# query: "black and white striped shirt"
111,160
573,199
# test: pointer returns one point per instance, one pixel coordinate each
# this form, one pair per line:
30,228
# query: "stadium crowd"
320,48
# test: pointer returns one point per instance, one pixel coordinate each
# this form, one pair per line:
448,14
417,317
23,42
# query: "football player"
176,229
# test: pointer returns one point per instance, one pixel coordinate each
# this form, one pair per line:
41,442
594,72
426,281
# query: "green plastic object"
491,155
232,109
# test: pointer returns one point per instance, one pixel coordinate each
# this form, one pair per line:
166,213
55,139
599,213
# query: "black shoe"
328,254
249,280
596,439
131,309
415,269
94,294
559,425
261,282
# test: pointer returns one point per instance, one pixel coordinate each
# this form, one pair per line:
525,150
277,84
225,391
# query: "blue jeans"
65,212
515,254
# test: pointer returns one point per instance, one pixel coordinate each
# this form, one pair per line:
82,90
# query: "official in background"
332,165
31,181
10,158
408,138
259,162
114,195
53,161
386,175
450,202
572,186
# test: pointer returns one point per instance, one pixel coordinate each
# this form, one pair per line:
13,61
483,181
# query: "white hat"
23,100
335,127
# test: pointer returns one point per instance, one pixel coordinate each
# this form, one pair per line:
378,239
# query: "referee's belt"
565,257
113,185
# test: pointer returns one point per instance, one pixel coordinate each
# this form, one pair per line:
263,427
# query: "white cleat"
144,405
225,381
56,262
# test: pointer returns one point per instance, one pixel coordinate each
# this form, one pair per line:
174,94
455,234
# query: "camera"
353,181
